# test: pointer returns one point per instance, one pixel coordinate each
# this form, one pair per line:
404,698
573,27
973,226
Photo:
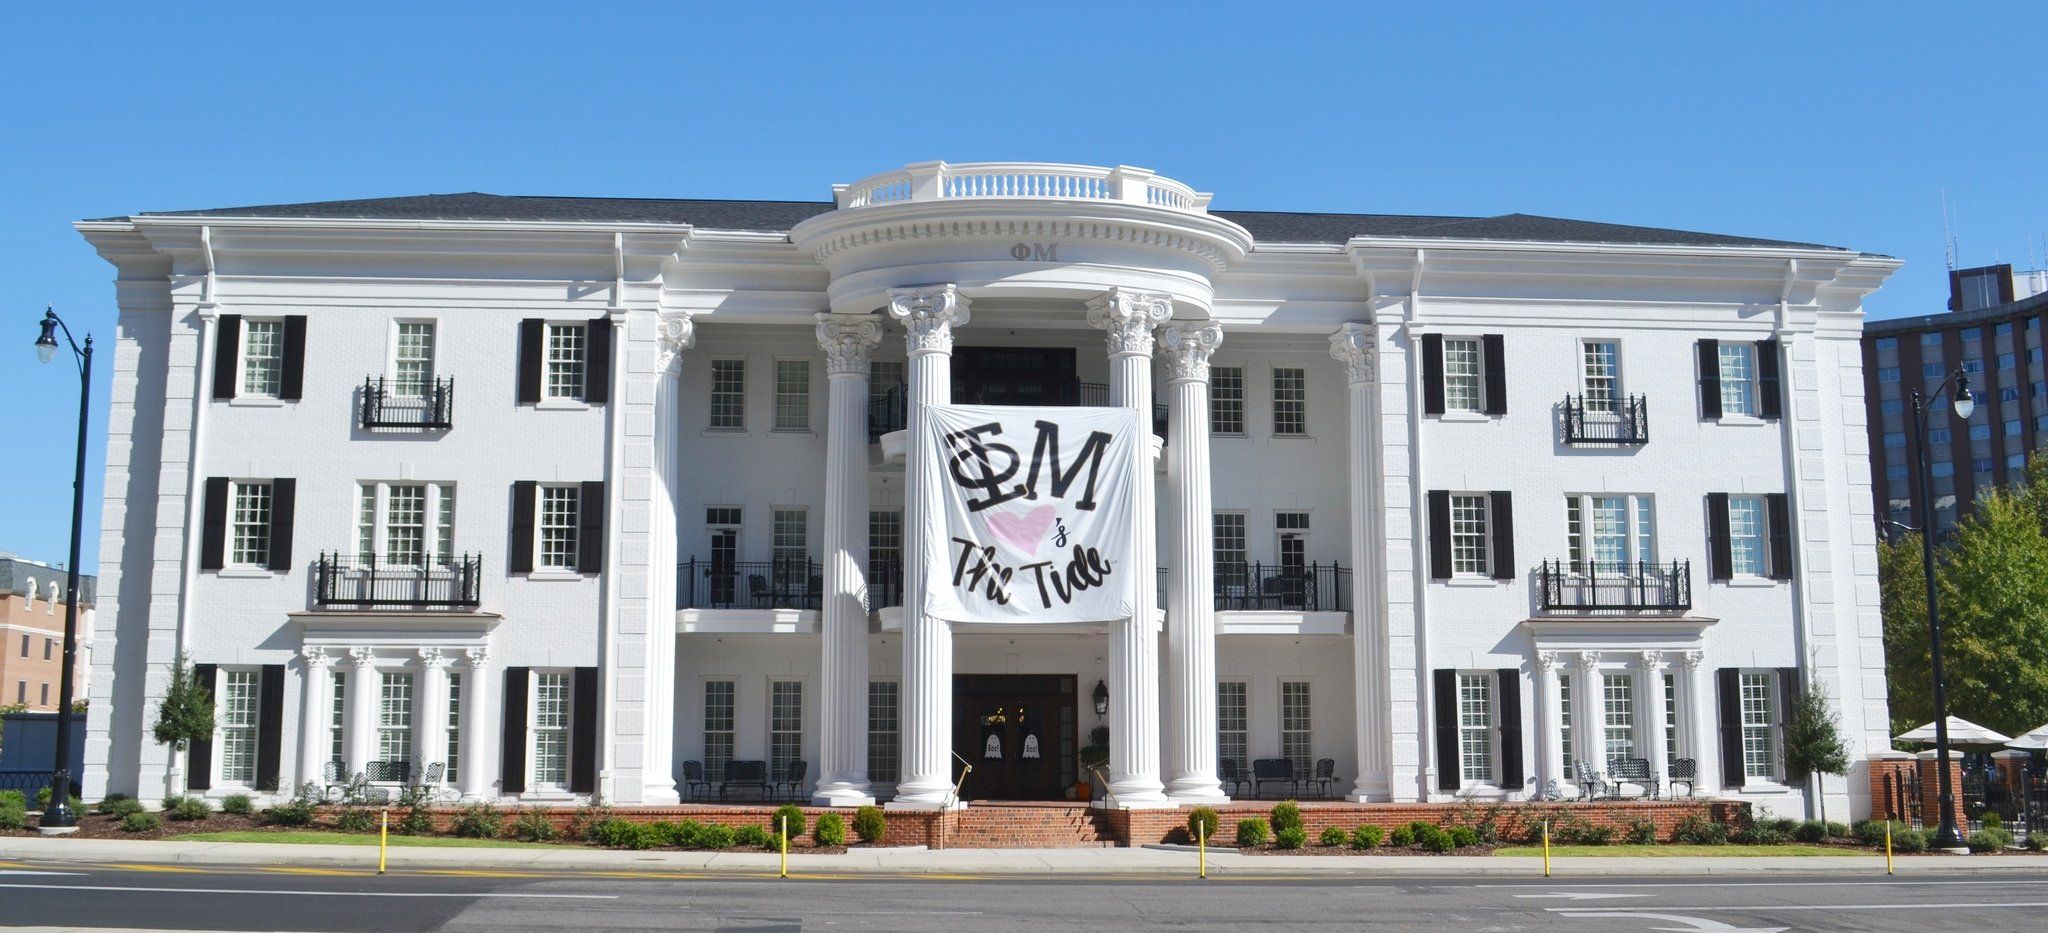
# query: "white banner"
1033,514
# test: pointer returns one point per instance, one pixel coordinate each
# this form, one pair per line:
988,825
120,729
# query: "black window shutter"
524,492
292,371
1789,690
532,343
1493,353
1770,387
597,362
199,754
1710,378
1720,553
590,534
1439,534
1501,526
213,525
512,752
1432,374
1729,682
1778,520
1447,774
227,355
269,725
283,505
583,731
1509,711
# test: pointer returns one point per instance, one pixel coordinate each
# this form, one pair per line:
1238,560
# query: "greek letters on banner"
1033,518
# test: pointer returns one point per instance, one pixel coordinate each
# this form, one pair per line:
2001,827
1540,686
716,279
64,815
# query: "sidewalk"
1150,861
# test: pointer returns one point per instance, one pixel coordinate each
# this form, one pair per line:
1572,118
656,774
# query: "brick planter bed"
1512,821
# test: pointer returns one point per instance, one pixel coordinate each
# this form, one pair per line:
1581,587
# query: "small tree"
186,713
1813,741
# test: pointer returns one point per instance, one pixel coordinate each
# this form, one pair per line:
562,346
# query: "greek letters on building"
541,498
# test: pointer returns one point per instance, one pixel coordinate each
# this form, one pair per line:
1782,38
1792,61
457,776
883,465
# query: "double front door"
1017,730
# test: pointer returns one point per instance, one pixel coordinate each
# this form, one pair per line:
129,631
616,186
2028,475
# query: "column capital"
1694,660
1188,348
1352,345
314,656
1650,662
1585,660
846,339
1549,661
432,658
928,314
363,657
674,334
1129,316
477,657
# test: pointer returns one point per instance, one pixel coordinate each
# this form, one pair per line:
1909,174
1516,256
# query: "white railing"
936,181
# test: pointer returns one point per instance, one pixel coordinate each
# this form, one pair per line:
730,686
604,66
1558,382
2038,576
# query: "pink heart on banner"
1023,531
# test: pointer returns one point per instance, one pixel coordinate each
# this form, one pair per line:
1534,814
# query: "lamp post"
57,817
1946,837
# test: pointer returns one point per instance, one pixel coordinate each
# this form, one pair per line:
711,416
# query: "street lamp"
1946,837
57,817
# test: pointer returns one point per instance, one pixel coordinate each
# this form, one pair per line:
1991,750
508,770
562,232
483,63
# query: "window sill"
1741,421
797,432
1481,792
545,576
256,401
245,573
722,432
1292,437
561,404
1755,582
1466,416
1764,787
1228,435
1472,582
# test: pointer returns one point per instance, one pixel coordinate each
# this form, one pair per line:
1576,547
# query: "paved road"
58,896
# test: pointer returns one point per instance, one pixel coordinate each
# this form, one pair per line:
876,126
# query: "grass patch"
1677,851
352,839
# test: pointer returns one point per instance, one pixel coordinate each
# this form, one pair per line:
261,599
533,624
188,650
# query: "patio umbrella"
1960,732
2036,739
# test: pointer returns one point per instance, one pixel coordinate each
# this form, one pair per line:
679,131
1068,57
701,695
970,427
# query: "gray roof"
776,216
16,572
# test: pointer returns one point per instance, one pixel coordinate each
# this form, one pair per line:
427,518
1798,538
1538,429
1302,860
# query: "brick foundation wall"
903,828
1512,821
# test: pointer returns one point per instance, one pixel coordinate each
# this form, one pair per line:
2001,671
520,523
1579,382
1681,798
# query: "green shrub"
1402,837
13,799
1367,837
830,831
1992,821
1870,833
299,811
417,821
1990,839
2037,842
1293,837
43,801
1837,830
1286,815
1641,832
1911,840
1334,836
869,824
717,837
186,808
1433,839
588,815
615,833
1762,833
1698,830
12,816
356,820
108,805
1462,836
757,836
1202,823
238,804
791,812
533,825
682,835
1251,831
122,807
144,822
478,820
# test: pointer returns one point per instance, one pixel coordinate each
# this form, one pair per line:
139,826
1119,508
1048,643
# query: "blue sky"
1832,123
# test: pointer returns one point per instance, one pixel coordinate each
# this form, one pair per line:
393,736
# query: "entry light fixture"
1101,698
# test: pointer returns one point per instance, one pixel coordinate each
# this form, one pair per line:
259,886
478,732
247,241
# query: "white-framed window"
262,357
1738,378
412,359
1462,390
718,728
1233,724
563,367
1618,703
1759,699
1226,400
1469,539
1601,372
1230,553
1564,710
1610,530
452,758
1290,401
792,395
1297,740
1291,531
407,524
789,547
555,538
250,533
1475,729
1746,544
551,730
238,714
728,395
394,725
885,703
885,539
1670,717
785,724
337,736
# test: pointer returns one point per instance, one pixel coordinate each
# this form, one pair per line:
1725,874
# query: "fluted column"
1650,703
430,710
1589,711
1129,317
843,622
1189,719
1696,706
1553,754
928,314
479,724
676,334
315,705
364,686
1371,694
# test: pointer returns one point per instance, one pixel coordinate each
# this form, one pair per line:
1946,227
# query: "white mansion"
546,497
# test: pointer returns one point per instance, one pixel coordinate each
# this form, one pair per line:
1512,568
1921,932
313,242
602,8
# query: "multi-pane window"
1564,710
262,357
1233,724
412,363
1602,374
885,540
1618,702
718,719
1461,374
1293,530
1468,535
238,726
792,395
1670,717
1290,401
453,756
405,523
551,730
1738,379
885,699
789,543
728,395
1295,735
1231,557
1759,738
785,724
1746,535
564,363
251,521
394,725
337,739
1610,530
1226,400
556,537
1475,728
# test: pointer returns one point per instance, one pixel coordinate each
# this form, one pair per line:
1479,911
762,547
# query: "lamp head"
1965,403
46,345
1101,698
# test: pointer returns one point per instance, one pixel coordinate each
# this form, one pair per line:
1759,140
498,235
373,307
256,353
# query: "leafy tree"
1994,612
186,713
1903,589
1813,740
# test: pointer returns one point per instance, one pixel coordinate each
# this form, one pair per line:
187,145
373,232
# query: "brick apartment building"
32,633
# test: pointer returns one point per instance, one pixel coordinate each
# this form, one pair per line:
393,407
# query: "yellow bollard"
1546,848
383,840
1887,847
783,821
1202,846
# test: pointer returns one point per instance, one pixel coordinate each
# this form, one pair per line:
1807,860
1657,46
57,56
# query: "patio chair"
333,780
1274,771
1590,784
1683,771
793,778
1325,776
1286,590
744,774
1230,774
815,596
758,592
693,778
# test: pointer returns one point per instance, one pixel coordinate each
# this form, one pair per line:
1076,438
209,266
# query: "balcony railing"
890,411
938,181
343,582
1624,421
1288,587
1628,585
749,584
385,407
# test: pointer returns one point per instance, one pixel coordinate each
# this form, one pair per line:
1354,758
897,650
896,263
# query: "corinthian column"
1371,697
843,622
1129,317
928,314
675,334
1189,721
316,704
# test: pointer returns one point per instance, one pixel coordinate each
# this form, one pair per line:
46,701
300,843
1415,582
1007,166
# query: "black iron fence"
1623,421
432,406
343,582
1294,587
1625,585
1899,796
786,583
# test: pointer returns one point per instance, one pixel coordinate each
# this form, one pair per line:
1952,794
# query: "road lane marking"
1692,924
1744,884
161,869
323,872
1771,908
281,892
45,874
1584,895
